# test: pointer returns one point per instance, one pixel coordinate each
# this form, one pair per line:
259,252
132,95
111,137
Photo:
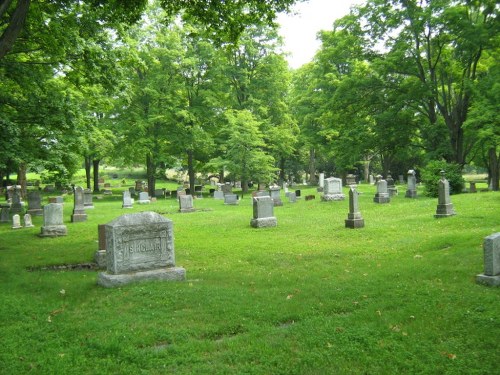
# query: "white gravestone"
411,189
186,203
127,200
292,197
263,212
16,221
321,185
88,202
231,199
144,198
53,225
332,190
140,247
382,195
274,193
27,221
491,249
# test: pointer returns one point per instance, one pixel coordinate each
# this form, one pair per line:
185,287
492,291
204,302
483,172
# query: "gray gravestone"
292,197
354,218
391,187
144,198
127,200
4,214
231,199
16,206
382,195
491,250
263,213
79,214
186,203
227,188
159,193
332,190
274,193
27,221
321,183
88,199
100,254
371,180
218,194
140,247
53,225
350,179
16,221
35,203
444,207
107,189
411,190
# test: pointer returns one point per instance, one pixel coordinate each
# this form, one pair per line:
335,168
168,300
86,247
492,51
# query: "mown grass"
306,297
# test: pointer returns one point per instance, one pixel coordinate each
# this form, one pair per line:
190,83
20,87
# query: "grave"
292,197
16,221
227,188
391,187
139,247
333,190
491,252
472,187
186,204
35,203
79,214
218,194
382,195
274,193
321,183
127,201
107,189
16,206
139,185
100,254
198,190
350,179
263,213
88,199
411,190
231,199
58,200
444,207
144,198
4,213
297,193
27,221
53,225
160,193
354,218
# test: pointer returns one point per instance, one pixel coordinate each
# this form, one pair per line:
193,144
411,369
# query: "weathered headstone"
333,190
382,195
227,188
186,203
354,218
159,193
263,213
231,199
16,206
371,180
53,225
107,189
292,197
127,201
401,179
444,207
391,187
16,221
28,223
139,185
100,254
491,250
88,199
35,203
411,190
4,214
79,214
144,198
140,247
219,194
274,193
350,179
321,183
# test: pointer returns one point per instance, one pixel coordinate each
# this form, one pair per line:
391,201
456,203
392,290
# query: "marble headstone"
332,190
16,221
491,250
35,203
411,189
186,203
127,201
231,199
263,213
354,218
382,195
27,221
444,207
53,225
79,214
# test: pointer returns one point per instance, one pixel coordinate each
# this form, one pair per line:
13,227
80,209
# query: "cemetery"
254,286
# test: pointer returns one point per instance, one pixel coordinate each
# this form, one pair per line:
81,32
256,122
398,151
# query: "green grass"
306,297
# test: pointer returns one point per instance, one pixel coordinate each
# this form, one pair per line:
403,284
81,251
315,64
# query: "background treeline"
205,86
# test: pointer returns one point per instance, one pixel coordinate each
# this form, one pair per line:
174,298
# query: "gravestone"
100,254
16,221
354,218
411,190
292,197
139,247
127,201
401,179
472,187
444,207
391,187
333,190
159,193
4,214
274,193
27,221
219,194
79,214
491,251
144,198
186,204
107,189
35,203
139,185
297,193
16,206
321,183
371,180
231,199
88,199
58,200
350,179
227,189
198,190
263,213
382,195
53,225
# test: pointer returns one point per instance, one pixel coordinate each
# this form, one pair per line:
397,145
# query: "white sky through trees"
299,30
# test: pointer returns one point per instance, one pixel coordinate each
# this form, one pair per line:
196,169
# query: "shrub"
431,175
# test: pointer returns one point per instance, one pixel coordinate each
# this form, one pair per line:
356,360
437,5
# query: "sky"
299,30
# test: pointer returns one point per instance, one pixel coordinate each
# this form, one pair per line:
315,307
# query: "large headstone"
140,247
263,213
444,207
127,200
79,214
53,225
88,199
186,203
332,190
274,193
411,189
231,199
35,203
160,193
382,195
491,249
354,218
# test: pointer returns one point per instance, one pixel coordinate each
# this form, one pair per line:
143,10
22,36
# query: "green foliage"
431,175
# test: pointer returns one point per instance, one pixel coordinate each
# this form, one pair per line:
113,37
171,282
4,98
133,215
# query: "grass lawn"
306,297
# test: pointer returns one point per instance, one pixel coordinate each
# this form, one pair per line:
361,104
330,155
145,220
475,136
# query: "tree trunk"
88,170
191,170
494,170
151,172
312,166
21,178
15,25
95,164
282,170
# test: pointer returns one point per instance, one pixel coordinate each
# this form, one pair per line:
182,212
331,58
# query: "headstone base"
127,206
78,217
144,201
53,231
35,212
488,280
108,280
411,194
332,197
186,210
100,258
354,221
264,222
88,206
382,198
444,210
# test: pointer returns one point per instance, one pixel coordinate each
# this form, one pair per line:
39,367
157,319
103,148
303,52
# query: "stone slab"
332,197
488,280
264,222
108,280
